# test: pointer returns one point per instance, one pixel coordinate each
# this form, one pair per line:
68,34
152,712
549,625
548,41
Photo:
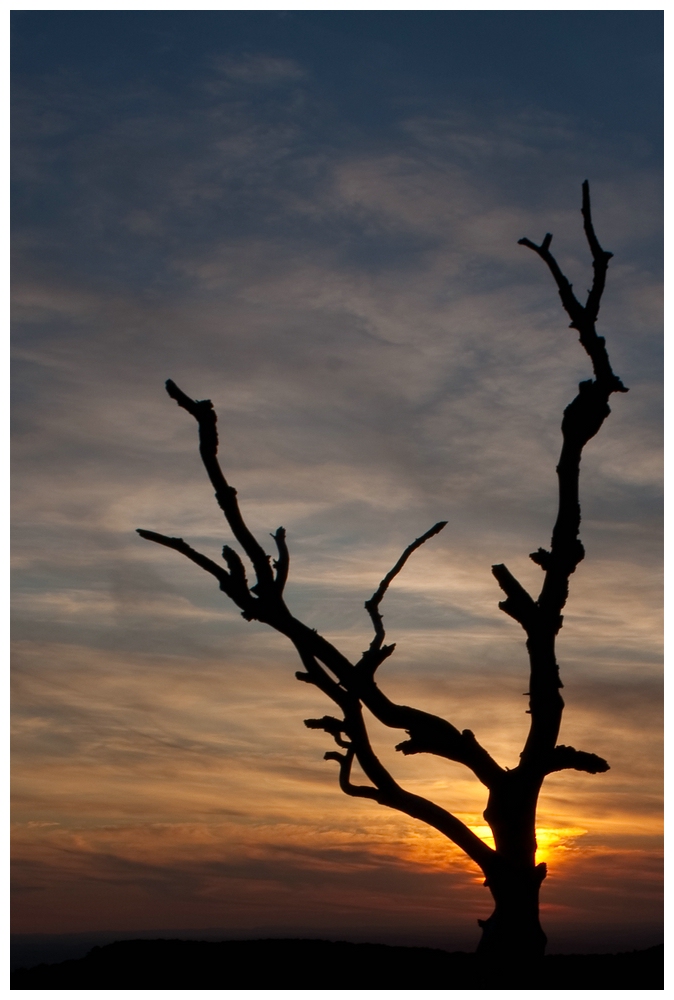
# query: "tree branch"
319,678
345,761
227,584
237,576
387,791
584,317
582,419
569,300
518,604
600,258
203,412
372,606
282,564
428,733
376,654
563,758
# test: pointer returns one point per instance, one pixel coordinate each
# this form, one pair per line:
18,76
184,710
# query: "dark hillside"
302,964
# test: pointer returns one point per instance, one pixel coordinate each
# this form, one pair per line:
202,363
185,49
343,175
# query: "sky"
311,218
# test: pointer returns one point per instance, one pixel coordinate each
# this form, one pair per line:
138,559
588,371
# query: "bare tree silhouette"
512,937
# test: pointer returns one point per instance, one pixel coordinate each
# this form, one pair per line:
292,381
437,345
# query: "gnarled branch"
582,419
428,733
584,317
203,412
386,790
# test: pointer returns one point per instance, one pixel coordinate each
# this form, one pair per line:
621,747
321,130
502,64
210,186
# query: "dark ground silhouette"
303,964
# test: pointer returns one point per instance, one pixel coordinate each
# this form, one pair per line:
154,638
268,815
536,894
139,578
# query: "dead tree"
512,935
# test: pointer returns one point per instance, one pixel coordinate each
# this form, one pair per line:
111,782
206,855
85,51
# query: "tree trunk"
513,943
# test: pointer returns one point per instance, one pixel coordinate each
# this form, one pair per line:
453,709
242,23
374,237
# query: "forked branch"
584,317
582,419
350,734
324,665
203,412
227,584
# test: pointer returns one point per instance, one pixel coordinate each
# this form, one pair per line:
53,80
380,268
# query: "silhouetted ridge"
301,964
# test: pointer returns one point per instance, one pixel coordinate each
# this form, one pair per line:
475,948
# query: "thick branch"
583,418
345,761
387,791
427,737
430,733
518,604
563,758
316,675
237,575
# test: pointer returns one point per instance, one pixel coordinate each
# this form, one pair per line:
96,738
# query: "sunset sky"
311,218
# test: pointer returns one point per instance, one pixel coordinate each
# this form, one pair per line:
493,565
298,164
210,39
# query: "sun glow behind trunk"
553,842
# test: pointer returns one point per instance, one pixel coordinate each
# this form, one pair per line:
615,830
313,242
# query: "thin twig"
600,258
372,606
